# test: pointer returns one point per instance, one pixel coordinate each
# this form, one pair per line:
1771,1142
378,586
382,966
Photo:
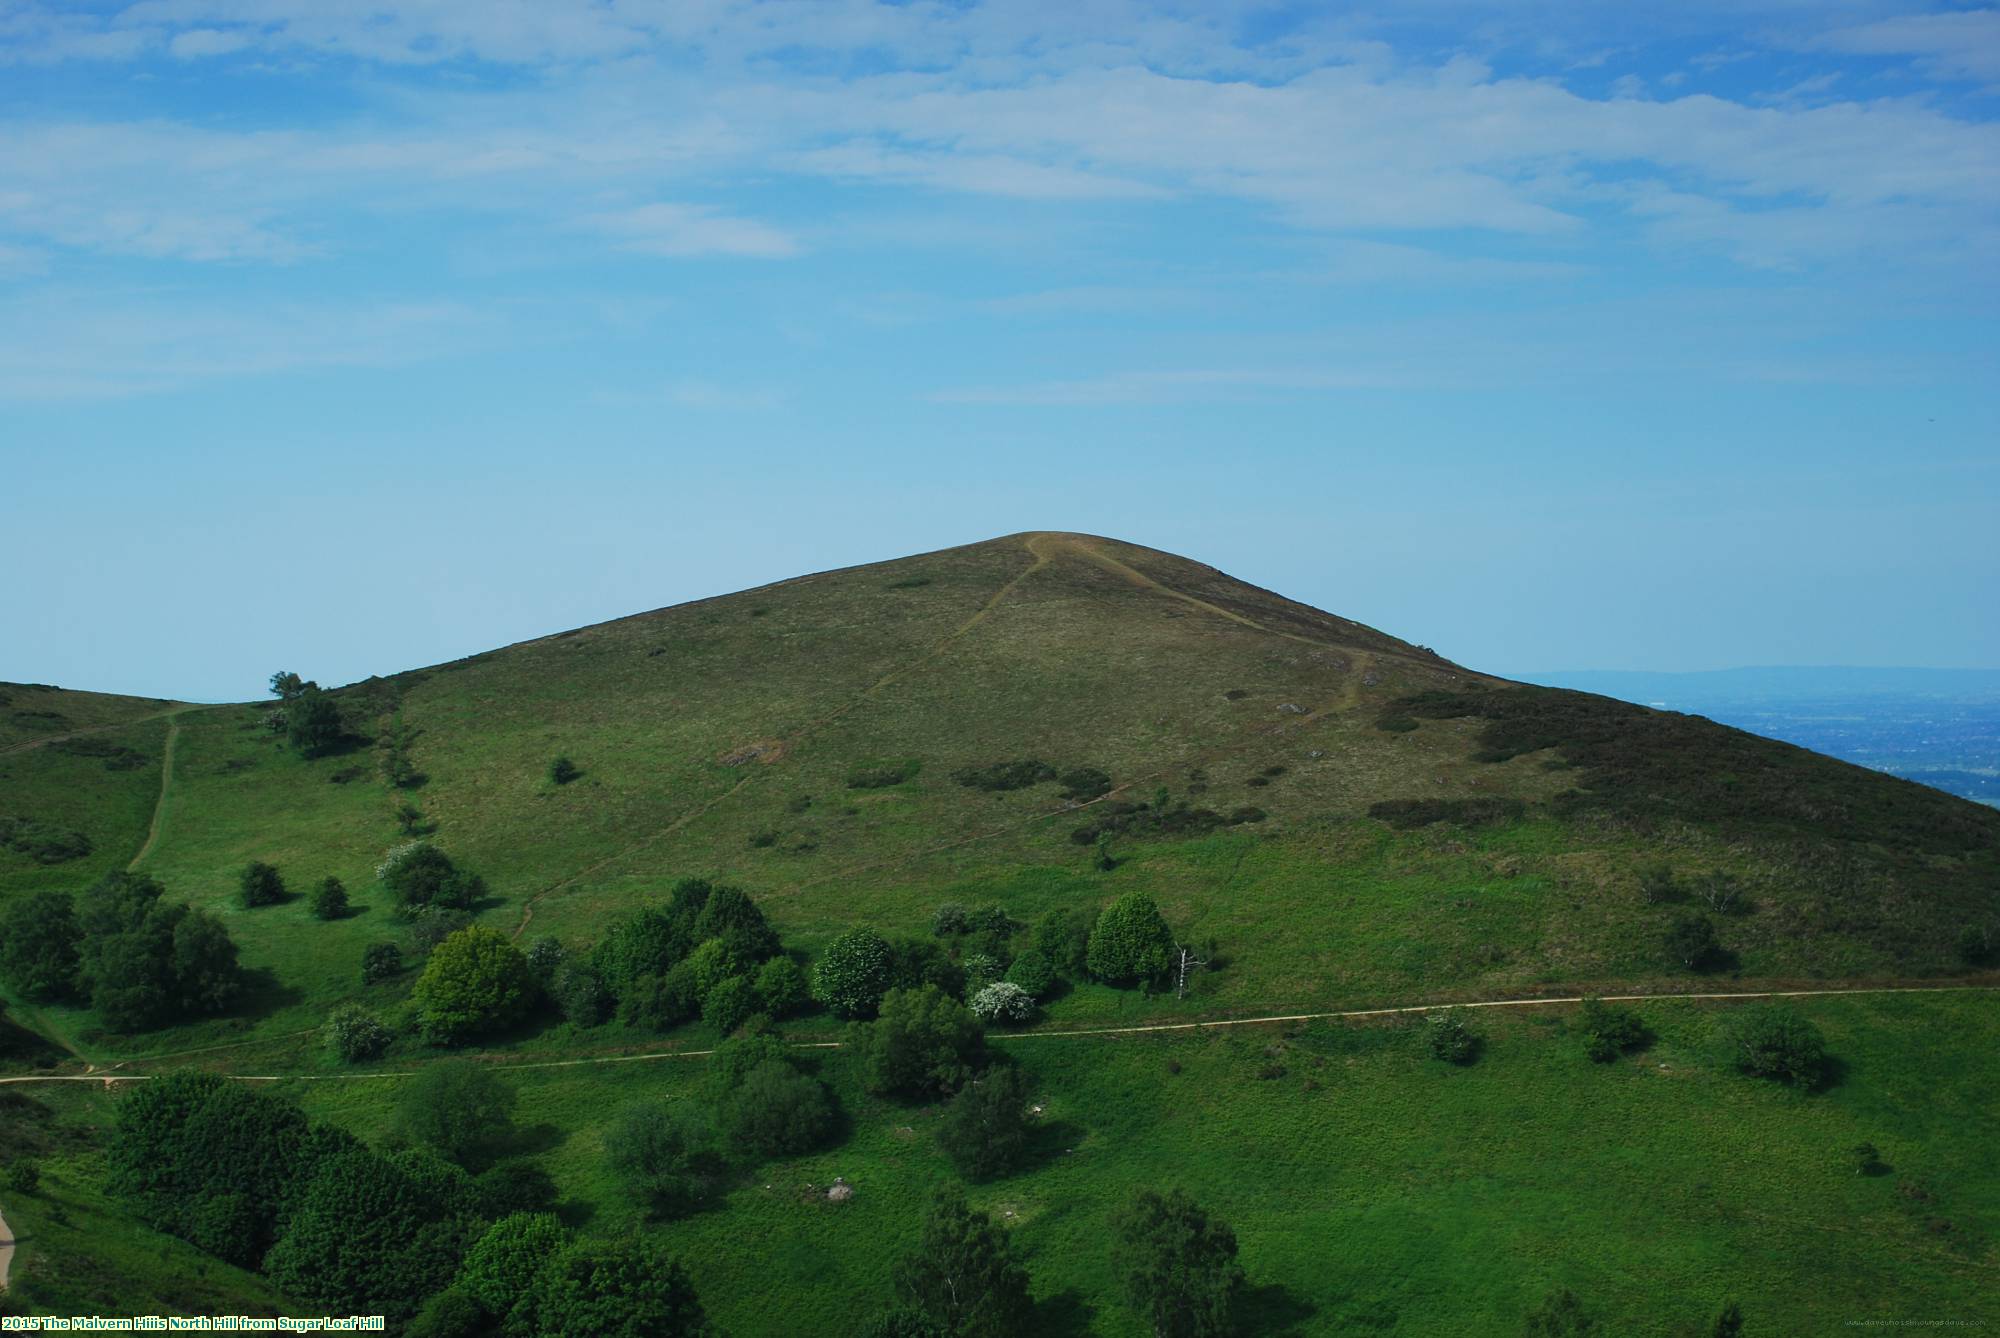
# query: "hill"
1340,819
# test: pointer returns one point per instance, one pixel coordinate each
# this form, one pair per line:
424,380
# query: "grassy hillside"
1351,819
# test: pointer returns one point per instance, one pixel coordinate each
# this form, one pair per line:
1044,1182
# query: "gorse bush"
1406,814
329,900
42,842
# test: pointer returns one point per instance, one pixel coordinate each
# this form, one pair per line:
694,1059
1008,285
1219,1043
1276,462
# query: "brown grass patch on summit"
762,751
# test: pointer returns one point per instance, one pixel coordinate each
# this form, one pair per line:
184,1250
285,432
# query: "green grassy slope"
719,738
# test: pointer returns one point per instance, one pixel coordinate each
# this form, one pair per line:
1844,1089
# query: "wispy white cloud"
1960,44
682,230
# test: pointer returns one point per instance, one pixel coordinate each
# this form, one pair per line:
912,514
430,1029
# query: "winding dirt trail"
109,1079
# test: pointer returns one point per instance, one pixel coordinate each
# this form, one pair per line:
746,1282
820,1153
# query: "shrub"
379,962
545,956
1865,1158
915,962
24,1176
948,919
737,921
1449,1039
1177,1264
1609,1032
729,1004
1080,783
880,776
450,1313
475,982
852,973
1721,892
417,874
1131,943
312,722
984,1129
329,899
1691,943
1033,973
658,1154
459,1109
661,1002
998,776
781,987
1656,885
562,771
432,925
39,941
41,842
776,1111
356,1035
1003,1003
260,885
579,994
925,1043
503,1262
1409,814
1975,945
512,1187
1774,1041
1064,938
622,1288
148,962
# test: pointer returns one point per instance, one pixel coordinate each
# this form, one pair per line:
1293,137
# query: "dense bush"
1609,1032
729,1004
781,987
43,842
1177,1265
948,920
1004,1003
659,1154
579,995
1032,972
260,885
418,874
146,963
38,946
1064,938
985,1127
1448,1038
622,1289
776,1111
997,776
380,962
512,1187
1406,814
1082,783
1691,943
733,919
502,1263
852,974
451,1313
312,722
1161,817
916,962
924,1043
461,1110
329,899
1774,1041
475,983
355,1035
981,969
1131,942
661,1002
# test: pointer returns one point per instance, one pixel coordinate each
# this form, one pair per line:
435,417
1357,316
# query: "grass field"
1374,1189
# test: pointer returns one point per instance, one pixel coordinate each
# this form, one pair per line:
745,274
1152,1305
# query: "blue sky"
349,338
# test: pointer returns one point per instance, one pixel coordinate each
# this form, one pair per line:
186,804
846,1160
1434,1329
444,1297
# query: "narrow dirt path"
109,1079
6,1252
166,783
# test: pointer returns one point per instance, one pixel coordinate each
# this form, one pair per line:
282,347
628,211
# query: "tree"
1033,972
502,1263
963,1277
329,899
260,885
781,987
659,1154
775,1112
38,946
355,1035
1775,1041
852,973
1691,943
1656,884
579,994
1064,936
475,982
618,1289
462,1110
985,1127
1609,1032
1131,943
379,962
661,1002
1560,1315
312,721
451,1313
562,771
286,685
924,1043
731,916
147,962
729,1004
1004,1003
1178,1265
1450,1039
512,1187
417,874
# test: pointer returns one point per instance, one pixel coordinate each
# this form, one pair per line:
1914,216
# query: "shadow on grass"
264,994
1273,1309
1065,1315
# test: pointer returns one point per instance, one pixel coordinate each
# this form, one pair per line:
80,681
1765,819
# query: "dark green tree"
776,1111
379,962
562,771
853,973
329,899
620,1289
1691,943
147,962
1131,943
985,1127
729,1004
355,1035
502,1263
661,1002
1609,1032
660,1154
286,685
1178,1265
1775,1041
924,1043
312,722
1033,972
1064,937
476,982
459,1109
451,1313
733,917
419,874
781,987
260,885
963,1277
38,946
